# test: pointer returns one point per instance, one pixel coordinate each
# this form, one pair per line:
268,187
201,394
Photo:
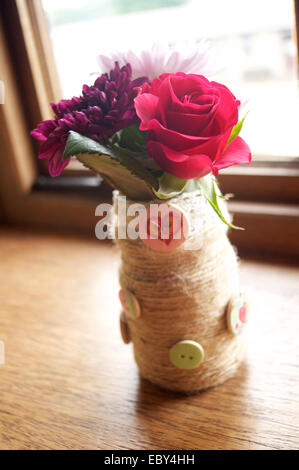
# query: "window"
255,49
259,47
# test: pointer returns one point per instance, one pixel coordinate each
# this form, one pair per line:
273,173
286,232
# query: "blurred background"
49,49
253,41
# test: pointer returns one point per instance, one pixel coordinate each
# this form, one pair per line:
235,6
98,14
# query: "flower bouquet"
158,131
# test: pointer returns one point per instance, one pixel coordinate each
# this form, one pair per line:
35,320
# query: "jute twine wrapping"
183,295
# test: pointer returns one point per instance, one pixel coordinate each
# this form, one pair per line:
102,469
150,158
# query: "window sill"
66,365
270,228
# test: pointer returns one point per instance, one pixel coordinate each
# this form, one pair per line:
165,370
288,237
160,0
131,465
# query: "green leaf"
236,130
169,186
208,189
133,138
77,143
143,158
118,166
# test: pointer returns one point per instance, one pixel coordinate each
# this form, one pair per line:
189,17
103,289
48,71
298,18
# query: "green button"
186,354
129,303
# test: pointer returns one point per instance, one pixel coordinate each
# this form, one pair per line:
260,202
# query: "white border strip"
2,92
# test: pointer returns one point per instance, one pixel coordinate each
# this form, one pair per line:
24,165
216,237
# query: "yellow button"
124,329
186,354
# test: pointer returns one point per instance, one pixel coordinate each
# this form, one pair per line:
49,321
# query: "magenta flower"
103,109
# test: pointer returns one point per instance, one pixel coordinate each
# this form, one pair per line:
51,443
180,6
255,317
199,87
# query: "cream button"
163,227
124,329
186,354
129,303
237,313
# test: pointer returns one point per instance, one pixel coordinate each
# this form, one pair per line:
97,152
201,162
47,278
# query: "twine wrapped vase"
164,139
179,306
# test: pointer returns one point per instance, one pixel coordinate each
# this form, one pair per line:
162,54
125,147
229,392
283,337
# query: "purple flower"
103,109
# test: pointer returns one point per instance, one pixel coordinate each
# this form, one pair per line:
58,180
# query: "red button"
163,227
237,313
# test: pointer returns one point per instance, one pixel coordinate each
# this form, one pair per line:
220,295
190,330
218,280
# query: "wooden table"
70,383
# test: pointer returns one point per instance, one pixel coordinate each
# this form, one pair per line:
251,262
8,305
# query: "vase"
181,306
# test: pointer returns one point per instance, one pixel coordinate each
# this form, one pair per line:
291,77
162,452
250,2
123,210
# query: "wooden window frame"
267,206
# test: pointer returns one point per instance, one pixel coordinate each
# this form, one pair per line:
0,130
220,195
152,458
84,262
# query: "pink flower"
161,58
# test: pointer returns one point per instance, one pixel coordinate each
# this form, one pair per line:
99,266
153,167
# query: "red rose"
190,120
